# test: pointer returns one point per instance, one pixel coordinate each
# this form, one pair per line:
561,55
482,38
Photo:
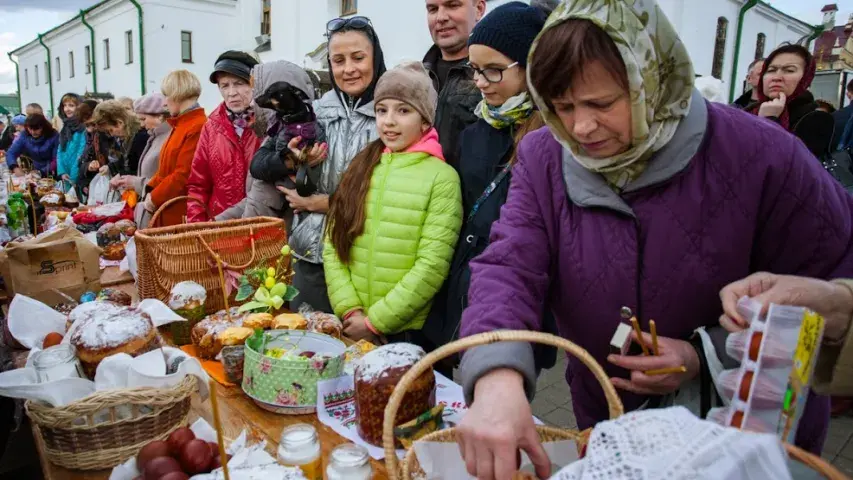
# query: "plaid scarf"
242,120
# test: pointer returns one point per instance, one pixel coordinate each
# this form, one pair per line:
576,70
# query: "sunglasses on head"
338,24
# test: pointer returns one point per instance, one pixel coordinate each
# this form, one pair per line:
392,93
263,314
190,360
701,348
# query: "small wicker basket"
106,428
411,468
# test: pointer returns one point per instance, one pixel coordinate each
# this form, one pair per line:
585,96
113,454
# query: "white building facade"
113,58
192,33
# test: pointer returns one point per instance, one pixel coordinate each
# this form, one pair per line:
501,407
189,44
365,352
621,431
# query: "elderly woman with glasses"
346,115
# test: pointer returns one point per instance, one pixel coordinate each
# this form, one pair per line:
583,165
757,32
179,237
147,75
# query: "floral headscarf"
660,80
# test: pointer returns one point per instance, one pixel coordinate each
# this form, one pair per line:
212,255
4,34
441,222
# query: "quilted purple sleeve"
509,281
805,217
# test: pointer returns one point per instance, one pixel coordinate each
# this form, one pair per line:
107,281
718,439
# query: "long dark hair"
38,121
378,62
347,206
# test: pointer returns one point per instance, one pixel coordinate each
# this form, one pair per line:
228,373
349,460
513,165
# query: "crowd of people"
546,167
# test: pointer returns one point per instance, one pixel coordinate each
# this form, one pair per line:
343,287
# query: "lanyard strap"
489,190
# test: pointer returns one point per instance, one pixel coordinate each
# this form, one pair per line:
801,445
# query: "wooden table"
238,412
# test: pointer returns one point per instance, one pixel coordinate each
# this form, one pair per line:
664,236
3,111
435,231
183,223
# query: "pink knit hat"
153,103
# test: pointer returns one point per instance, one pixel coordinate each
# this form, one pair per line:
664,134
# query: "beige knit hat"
410,83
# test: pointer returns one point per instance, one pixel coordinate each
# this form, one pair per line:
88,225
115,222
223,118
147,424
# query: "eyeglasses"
338,24
492,74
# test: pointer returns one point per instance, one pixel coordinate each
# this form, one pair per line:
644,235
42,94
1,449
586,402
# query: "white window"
106,54
26,79
128,47
70,64
187,47
58,70
88,53
36,69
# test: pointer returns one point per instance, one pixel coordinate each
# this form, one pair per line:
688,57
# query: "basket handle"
173,201
232,267
814,462
614,403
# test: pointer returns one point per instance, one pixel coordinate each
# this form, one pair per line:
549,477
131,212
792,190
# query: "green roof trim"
67,22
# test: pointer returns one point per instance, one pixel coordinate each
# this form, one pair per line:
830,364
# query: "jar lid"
349,455
55,355
298,435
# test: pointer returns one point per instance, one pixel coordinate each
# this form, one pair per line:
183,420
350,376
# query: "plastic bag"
99,190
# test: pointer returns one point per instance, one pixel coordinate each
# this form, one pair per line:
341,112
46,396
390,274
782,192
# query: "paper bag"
62,259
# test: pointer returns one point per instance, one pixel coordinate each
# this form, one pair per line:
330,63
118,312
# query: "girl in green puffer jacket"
395,218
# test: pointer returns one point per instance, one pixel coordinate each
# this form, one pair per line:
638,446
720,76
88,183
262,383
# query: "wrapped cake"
325,323
187,300
376,376
108,234
205,334
116,296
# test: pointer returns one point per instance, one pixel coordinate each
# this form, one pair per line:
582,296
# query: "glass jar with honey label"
300,447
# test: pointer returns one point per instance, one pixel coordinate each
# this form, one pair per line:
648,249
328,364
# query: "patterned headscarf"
660,80
514,111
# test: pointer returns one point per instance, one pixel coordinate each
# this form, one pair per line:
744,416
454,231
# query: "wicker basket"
411,468
169,255
71,438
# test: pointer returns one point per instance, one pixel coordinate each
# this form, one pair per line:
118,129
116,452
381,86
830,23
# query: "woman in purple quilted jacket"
639,199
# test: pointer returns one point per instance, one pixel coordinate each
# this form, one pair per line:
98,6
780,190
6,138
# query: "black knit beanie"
510,29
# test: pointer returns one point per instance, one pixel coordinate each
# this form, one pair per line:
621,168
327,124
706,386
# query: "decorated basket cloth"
108,427
288,385
411,468
169,255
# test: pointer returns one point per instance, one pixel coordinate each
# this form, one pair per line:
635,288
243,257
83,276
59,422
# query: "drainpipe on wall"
49,72
818,31
91,51
745,8
141,47
17,79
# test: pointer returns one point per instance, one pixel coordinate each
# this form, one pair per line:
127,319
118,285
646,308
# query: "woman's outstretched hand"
497,426
672,354
834,302
314,155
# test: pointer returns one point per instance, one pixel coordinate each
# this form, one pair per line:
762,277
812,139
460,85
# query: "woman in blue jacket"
72,142
38,142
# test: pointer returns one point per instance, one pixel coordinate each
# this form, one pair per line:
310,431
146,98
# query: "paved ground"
554,406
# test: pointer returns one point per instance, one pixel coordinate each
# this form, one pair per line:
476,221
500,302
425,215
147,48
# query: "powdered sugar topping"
186,292
395,355
51,198
112,327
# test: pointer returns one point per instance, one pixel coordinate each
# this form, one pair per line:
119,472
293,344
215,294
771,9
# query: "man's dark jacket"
457,99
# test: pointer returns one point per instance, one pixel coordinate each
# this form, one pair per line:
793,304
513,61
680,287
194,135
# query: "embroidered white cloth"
672,443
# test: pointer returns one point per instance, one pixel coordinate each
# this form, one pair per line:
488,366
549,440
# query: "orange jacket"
176,159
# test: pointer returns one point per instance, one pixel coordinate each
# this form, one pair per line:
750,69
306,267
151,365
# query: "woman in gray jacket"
346,115
151,110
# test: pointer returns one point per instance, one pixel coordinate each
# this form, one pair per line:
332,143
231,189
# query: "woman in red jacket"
227,143
181,89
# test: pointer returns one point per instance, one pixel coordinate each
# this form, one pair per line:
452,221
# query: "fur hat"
410,83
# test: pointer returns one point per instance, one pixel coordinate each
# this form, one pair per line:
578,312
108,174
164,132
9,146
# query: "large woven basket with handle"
167,256
108,427
411,468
